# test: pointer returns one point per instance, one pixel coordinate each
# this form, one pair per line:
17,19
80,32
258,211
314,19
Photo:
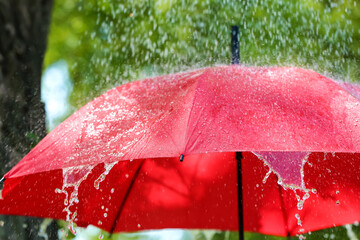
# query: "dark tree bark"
23,36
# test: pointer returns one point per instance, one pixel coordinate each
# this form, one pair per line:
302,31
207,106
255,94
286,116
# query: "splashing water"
289,168
72,178
267,176
301,230
108,167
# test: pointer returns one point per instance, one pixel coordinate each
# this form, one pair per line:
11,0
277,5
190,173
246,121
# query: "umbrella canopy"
116,162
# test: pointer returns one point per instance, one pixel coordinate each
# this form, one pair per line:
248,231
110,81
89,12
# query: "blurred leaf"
218,236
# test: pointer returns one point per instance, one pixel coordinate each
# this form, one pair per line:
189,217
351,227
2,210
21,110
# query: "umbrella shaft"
235,51
240,197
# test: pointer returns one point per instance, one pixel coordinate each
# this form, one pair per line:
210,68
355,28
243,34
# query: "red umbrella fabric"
115,163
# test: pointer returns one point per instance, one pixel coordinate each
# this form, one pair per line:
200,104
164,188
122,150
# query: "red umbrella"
116,163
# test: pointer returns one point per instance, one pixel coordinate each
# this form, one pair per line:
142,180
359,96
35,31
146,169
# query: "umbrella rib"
191,110
126,197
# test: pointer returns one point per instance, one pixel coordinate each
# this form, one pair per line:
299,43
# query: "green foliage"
108,42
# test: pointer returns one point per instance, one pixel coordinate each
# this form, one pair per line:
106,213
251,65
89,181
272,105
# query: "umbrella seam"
154,122
283,211
192,107
122,205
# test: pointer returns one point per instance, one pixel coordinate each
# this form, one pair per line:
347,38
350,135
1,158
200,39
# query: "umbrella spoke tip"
181,157
2,180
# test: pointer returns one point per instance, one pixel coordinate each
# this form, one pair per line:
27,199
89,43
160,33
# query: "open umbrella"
165,152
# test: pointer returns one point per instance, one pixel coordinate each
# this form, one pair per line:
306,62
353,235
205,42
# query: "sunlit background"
95,45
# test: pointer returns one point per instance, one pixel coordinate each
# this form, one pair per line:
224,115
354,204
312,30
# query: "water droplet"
112,190
257,185
297,216
101,236
139,226
337,191
105,215
101,178
127,175
300,204
57,190
102,207
72,228
313,191
266,176
99,222
337,202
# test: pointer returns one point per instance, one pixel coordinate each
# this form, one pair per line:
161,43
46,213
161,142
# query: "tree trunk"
23,36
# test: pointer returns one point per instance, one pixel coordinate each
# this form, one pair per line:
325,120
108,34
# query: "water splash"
267,176
108,167
72,178
289,168
301,230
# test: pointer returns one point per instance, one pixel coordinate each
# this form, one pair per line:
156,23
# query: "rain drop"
99,222
112,190
57,190
139,226
266,176
337,202
105,215
297,216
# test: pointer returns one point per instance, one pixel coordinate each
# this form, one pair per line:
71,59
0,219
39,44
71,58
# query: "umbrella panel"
198,193
219,109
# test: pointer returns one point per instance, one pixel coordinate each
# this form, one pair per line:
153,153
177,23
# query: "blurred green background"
105,43
109,42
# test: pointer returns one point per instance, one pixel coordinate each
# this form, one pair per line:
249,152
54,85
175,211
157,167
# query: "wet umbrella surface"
161,153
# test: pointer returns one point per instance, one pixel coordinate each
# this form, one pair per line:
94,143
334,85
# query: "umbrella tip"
2,180
181,157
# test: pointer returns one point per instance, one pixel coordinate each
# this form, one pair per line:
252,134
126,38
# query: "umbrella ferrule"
181,157
2,180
